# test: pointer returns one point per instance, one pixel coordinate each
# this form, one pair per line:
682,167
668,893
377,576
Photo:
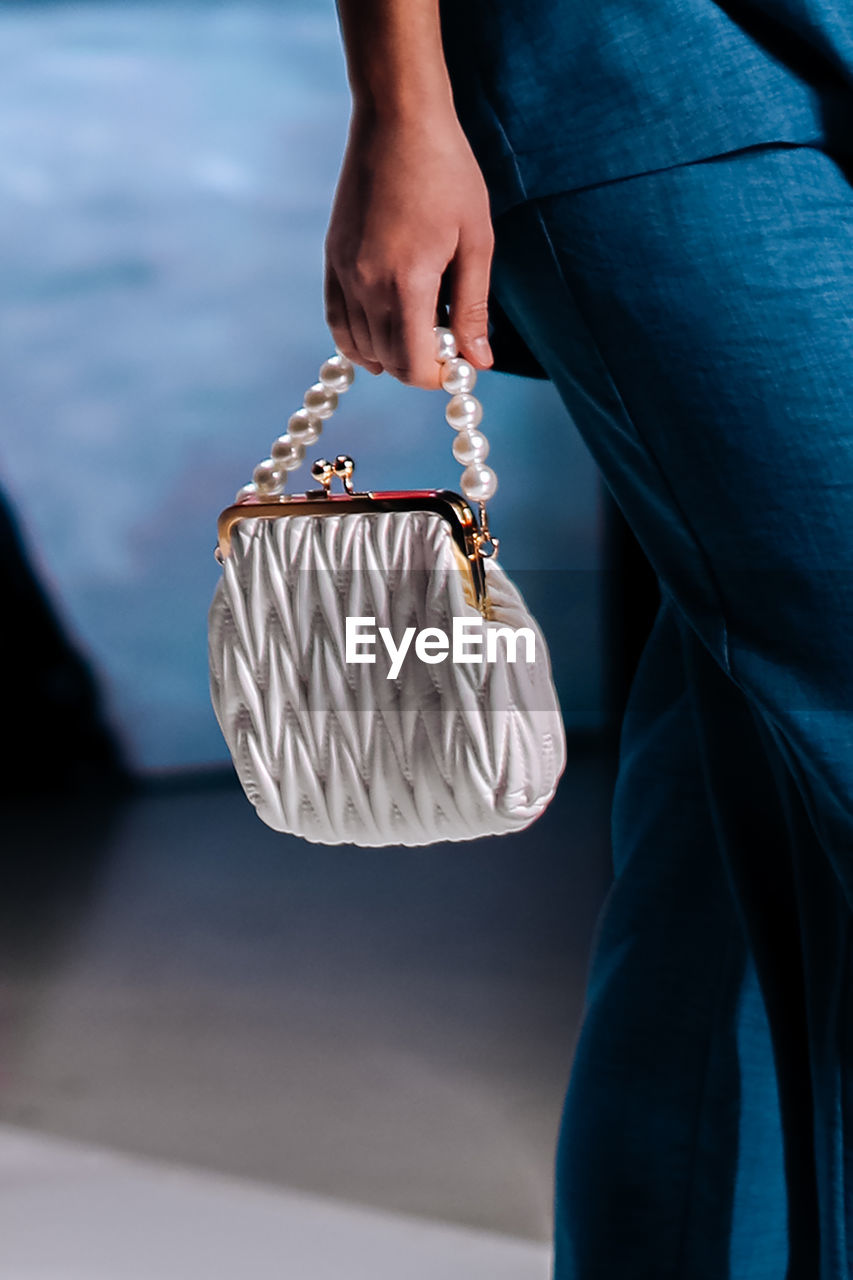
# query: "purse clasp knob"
344,467
322,470
325,471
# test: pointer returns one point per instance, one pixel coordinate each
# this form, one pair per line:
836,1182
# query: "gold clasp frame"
472,543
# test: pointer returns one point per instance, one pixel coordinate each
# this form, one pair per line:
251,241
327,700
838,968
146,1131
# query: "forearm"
395,60
411,204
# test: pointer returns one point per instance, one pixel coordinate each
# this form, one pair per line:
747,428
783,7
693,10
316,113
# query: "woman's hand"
410,203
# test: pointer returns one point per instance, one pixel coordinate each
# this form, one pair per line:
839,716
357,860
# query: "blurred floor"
387,1028
70,1213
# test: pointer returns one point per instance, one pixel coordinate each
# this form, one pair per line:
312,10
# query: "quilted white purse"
376,675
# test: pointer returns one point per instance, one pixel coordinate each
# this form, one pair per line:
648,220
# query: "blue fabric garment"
558,95
698,324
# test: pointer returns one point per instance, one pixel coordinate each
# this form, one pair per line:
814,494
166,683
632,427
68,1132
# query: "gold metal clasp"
325,471
472,545
344,467
322,470
485,542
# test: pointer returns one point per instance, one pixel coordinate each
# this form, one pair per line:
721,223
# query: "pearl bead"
458,375
463,411
445,343
337,374
287,453
304,426
246,493
470,446
479,482
320,400
268,478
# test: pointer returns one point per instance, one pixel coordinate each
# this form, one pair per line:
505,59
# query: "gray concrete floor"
391,1028
73,1212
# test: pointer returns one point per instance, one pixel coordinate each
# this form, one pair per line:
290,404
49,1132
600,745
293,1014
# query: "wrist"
407,109
395,61
416,124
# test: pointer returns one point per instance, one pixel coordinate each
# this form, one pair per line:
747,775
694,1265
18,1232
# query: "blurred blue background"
166,172
361,1041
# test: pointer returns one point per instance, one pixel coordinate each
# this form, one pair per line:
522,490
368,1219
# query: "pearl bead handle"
463,413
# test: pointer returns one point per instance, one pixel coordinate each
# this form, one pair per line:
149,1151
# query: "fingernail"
482,350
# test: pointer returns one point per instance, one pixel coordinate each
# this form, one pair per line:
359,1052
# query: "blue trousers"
698,324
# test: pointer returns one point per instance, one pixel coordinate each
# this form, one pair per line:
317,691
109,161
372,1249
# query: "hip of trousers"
697,322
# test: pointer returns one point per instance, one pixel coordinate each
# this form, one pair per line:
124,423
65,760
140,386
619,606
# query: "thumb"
469,310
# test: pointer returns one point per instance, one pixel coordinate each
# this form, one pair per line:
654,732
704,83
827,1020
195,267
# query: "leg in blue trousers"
670,1159
698,323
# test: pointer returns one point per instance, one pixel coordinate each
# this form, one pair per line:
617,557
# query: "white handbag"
377,677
